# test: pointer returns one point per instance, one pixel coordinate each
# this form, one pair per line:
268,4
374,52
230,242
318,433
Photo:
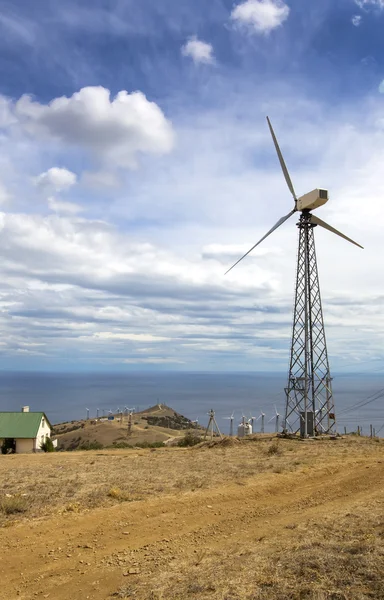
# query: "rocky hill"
156,425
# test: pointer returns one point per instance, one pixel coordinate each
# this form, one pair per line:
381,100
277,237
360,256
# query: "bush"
149,445
274,448
90,446
47,446
8,446
190,439
13,505
121,445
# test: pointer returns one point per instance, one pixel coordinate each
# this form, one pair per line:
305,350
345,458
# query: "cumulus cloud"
62,207
356,20
115,130
55,179
152,290
199,51
260,16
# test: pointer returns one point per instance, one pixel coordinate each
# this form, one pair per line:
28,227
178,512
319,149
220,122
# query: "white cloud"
151,289
61,207
55,179
134,337
367,4
115,131
381,87
356,20
100,179
225,253
200,52
5,196
261,16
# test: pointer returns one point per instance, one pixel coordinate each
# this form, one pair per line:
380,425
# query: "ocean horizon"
67,396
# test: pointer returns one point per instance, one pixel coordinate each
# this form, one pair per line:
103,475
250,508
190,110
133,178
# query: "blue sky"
136,165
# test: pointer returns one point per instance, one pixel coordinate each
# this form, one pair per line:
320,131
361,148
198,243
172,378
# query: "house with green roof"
24,431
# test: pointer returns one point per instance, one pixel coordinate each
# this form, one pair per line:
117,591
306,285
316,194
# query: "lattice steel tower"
310,408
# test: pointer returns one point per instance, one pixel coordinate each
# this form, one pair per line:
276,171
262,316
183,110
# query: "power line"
372,398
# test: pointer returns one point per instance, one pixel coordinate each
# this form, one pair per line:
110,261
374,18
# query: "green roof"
20,425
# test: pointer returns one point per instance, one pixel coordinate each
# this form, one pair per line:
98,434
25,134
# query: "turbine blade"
279,222
282,163
318,221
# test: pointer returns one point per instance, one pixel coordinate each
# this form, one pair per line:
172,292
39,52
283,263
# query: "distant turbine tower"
252,419
276,417
309,408
230,423
262,417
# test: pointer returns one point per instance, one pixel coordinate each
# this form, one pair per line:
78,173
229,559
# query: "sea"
67,396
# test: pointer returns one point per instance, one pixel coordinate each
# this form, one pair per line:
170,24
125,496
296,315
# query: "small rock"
132,571
209,506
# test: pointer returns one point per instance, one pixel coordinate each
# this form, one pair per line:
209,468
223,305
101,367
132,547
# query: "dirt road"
94,554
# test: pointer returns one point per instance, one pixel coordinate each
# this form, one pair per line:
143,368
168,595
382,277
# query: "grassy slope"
245,521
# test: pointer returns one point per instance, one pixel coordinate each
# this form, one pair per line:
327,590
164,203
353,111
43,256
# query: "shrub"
274,448
8,446
149,445
114,493
90,446
47,446
13,505
121,445
190,439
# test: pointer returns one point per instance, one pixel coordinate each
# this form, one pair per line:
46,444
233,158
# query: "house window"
43,422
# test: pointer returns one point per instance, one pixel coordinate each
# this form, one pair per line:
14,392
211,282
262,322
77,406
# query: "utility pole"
212,424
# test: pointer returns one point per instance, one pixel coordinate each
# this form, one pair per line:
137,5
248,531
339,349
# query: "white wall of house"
43,433
24,445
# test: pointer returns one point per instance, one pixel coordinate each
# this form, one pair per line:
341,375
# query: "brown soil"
248,521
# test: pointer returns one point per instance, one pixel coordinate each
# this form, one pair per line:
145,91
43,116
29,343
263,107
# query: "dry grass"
13,505
84,480
340,557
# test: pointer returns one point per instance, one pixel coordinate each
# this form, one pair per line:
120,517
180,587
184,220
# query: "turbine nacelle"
312,200
308,202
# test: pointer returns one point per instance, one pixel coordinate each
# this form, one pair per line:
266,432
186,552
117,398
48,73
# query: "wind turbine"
262,417
231,423
310,407
252,419
276,417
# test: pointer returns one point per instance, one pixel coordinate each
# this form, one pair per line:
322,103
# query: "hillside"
157,424
257,519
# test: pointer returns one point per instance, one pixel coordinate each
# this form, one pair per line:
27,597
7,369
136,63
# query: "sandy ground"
223,538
